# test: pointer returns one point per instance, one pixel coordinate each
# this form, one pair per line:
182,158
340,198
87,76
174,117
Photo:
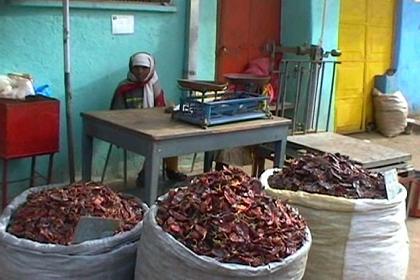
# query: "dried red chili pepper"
225,215
330,174
51,216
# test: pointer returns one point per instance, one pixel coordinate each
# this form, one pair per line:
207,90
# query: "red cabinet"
29,127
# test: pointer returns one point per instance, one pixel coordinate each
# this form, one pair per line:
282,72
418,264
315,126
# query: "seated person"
141,89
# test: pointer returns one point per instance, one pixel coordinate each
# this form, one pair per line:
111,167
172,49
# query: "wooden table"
153,134
372,156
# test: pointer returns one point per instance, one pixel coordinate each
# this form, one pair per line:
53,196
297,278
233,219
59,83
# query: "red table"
28,128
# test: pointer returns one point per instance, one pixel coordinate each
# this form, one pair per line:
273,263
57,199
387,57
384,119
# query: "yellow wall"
365,39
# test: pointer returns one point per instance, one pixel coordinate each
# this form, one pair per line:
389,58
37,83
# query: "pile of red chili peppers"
51,216
330,174
225,215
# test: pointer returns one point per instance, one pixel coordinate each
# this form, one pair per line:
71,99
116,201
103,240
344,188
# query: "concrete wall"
303,23
207,40
407,52
31,41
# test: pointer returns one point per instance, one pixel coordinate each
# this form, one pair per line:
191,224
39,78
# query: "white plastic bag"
107,258
391,111
15,87
5,87
163,257
351,238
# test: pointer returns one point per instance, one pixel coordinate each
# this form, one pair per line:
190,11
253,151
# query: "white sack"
352,238
113,257
391,111
163,257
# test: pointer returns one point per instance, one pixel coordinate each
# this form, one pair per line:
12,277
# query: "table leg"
151,178
208,160
32,180
50,166
279,153
87,153
283,152
4,185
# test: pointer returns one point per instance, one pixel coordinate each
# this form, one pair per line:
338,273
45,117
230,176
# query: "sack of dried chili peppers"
222,226
353,238
42,216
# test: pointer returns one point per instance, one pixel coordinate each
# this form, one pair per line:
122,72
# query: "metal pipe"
320,95
32,180
298,89
308,93
283,97
279,87
331,95
50,165
106,163
68,89
317,96
284,89
4,184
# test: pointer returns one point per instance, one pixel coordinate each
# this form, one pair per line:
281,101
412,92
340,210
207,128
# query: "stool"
31,178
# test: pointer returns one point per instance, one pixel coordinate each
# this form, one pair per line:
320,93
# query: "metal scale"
302,85
207,103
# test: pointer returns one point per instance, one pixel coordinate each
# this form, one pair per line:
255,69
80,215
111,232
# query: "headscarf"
132,83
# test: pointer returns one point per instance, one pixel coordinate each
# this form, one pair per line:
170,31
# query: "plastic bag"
352,238
5,87
43,90
16,87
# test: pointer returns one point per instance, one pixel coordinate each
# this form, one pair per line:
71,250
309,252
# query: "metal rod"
284,92
298,89
33,163
4,186
308,92
281,77
317,69
50,165
68,89
331,96
320,95
193,162
312,60
106,163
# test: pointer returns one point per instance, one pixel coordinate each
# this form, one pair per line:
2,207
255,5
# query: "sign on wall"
122,24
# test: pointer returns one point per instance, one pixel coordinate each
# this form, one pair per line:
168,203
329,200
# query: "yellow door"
365,39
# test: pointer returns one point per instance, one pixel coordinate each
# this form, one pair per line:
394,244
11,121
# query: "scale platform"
206,104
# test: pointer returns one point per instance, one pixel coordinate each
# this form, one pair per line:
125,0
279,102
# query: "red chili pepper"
51,216
225,215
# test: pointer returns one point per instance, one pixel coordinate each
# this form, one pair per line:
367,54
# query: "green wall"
302,23
207,40
31,41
